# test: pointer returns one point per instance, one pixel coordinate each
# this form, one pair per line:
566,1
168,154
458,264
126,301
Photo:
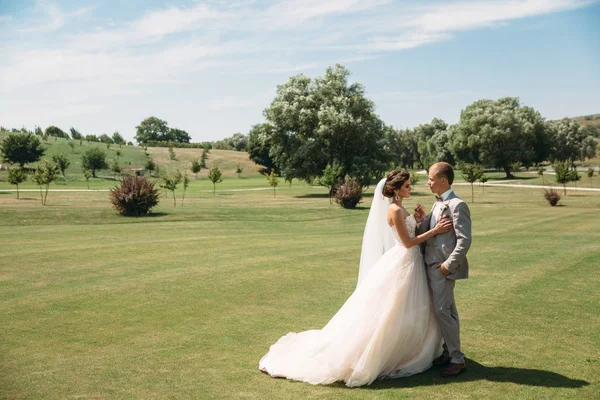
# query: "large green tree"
570,141
259,145
152,129
401,148
498,133
325,121
21,148
179,136
238,142
432,141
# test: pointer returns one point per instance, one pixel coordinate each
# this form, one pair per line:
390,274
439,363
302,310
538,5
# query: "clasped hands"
444,225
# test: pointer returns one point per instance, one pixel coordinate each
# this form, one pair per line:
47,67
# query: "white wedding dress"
386,329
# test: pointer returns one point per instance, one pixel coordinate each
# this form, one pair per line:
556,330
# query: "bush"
552,196
349,193
135,196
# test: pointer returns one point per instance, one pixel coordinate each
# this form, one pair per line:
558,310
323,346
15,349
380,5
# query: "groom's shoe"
444,359
454,370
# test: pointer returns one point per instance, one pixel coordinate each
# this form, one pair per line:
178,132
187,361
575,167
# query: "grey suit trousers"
444,307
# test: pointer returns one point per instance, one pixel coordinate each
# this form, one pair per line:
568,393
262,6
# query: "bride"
387,328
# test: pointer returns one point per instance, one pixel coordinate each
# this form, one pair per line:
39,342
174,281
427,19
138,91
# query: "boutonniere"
445,206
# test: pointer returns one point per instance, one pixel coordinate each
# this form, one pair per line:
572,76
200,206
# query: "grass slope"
184,303
134,157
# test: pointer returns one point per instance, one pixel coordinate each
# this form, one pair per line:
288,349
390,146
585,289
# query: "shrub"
134,197
349,193
552,196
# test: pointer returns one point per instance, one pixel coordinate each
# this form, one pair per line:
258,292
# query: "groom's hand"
443,270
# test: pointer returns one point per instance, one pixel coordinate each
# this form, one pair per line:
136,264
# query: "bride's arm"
398,217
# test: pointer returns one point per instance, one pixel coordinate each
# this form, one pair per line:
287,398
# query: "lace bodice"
411,226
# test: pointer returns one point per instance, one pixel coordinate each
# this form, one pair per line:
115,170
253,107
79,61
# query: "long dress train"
386,329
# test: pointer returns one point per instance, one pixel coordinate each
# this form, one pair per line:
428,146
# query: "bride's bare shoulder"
396,212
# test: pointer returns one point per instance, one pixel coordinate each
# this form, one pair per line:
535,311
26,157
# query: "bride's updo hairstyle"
394,181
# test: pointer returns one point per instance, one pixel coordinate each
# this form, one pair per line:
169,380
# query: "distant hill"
129,157
586,120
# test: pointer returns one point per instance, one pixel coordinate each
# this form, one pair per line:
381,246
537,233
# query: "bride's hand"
419,213
444,225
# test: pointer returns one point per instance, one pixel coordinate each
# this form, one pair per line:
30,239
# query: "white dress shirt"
437,208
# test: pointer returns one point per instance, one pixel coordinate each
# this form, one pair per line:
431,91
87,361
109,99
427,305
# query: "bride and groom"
402,317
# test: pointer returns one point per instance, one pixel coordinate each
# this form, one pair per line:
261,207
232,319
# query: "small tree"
75,134
540,172
87,174
172,153
289,178
331,178
273,182
170,183
21,148
203,158
150,165
515,167
196,167
563,175
94,159
574,176
62,162
72,146
215,177
186,184
16,176
414,179
483,180
115,168
239,171
471,173
45,173
590,174
118,139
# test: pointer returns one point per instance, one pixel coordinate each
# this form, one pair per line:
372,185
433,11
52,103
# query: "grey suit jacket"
449,248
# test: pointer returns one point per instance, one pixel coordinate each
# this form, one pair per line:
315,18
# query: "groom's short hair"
445,170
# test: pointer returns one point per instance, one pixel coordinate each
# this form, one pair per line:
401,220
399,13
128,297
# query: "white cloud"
472,15
172,20
53,19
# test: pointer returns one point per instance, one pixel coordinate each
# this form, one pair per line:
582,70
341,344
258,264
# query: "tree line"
326,129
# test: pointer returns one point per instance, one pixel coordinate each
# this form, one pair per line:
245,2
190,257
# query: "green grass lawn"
183,303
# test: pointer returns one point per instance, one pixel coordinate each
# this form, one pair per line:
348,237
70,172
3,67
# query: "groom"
446,260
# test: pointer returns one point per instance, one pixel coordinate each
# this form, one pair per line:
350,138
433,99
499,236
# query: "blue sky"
211,67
